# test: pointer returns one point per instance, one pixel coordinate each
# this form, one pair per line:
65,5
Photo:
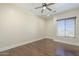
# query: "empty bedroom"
39,29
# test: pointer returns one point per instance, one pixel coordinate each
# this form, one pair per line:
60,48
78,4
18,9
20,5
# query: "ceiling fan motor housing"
44,4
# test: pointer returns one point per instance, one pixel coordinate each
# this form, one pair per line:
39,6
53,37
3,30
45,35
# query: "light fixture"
44,8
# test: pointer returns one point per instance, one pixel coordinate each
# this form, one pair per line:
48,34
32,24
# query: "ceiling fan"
45,6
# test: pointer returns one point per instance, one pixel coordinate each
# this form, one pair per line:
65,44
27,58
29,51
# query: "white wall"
18,26
51,27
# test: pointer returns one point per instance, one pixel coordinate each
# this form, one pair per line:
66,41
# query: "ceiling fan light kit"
44,8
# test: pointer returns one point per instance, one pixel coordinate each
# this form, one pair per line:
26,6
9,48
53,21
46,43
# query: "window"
66,27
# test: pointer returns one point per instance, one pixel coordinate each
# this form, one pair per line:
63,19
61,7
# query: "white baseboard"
67,42
63,41
18,44
23,43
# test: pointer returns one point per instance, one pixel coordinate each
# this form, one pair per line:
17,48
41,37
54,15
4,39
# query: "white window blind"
60,28
66,27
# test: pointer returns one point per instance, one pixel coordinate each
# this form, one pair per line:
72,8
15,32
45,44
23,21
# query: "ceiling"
59,7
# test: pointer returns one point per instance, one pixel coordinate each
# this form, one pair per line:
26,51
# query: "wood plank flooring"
44,47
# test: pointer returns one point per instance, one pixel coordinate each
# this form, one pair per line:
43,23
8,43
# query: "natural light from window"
66,27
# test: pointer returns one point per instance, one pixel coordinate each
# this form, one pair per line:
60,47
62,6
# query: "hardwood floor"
44,47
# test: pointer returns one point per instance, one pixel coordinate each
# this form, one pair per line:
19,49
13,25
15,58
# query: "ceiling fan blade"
50,4
38,7
49,9
42,10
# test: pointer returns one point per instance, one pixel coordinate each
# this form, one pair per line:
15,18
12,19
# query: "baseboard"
19,44
63,41
23,43
67,42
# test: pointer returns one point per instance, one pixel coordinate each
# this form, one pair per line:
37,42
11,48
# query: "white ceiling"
59,7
